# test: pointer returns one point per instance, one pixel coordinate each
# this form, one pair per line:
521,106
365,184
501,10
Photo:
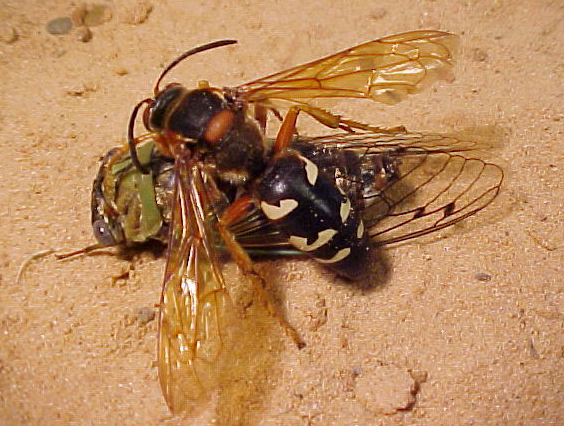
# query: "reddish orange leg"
233,214
327,119
237,210
287,129
244,263
261,116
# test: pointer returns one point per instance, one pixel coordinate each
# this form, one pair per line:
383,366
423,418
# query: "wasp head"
175,109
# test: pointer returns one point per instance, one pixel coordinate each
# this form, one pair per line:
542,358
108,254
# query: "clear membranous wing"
409,184
385,70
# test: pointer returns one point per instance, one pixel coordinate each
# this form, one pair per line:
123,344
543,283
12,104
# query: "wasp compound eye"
103,234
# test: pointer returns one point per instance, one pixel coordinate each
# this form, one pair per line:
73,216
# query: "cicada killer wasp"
221,187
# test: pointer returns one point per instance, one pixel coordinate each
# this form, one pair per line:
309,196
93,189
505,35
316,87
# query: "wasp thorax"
183,112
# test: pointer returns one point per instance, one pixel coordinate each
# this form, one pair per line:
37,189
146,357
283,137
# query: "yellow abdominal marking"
274,212
341,254
360,230
311,170
322,238
345,210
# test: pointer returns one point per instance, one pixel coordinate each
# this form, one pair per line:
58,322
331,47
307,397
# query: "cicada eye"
103,234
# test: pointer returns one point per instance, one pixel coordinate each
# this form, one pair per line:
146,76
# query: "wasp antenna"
191,52
131,138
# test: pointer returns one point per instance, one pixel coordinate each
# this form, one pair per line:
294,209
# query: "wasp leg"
260,114
237,210
246,265
351,124
286,131
335,121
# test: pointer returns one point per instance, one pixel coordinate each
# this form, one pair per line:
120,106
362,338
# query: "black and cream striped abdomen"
316,216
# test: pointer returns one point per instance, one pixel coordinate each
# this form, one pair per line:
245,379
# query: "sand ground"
472,352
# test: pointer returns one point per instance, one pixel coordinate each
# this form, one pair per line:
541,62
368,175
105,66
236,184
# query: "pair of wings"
385,70
437,186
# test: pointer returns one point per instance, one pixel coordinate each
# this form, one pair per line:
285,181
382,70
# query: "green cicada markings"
140,228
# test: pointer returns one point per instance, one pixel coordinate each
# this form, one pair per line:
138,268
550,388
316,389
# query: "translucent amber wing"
194,306
212,360
385,70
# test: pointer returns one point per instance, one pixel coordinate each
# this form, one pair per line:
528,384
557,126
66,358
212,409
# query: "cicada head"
106,227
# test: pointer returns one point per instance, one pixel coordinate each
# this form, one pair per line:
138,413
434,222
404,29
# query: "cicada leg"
242,259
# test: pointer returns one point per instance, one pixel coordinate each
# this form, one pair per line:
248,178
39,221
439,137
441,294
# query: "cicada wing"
385,70
409,184
195,307
375,143
433,190
258,236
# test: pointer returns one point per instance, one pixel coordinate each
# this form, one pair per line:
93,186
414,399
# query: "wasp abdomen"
315,216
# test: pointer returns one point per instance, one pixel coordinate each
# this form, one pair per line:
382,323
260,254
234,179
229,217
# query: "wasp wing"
205,291
408,184
385,70
195,306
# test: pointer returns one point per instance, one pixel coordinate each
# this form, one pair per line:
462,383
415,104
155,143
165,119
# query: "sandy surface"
432,345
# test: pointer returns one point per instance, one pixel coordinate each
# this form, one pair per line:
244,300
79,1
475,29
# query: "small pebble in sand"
97,15
120,70
145,315
59,26
386,389
84,34
378,13
482,276
80,89
318,314
8,34
77,15
479,55
137,13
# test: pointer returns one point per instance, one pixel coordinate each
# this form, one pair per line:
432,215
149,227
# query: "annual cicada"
207,181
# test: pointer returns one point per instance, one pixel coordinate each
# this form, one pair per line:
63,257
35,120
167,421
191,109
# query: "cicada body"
393,183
